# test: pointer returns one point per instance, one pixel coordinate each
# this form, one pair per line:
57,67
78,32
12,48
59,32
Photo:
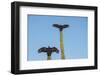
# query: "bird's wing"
43,49
65,26
55,49
56,25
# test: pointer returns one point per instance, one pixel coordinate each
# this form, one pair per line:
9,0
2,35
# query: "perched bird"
61,27
49,51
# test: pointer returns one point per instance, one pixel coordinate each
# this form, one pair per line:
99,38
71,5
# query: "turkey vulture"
61,27
49,51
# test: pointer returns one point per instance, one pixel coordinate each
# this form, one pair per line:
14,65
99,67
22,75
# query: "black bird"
49,51
61,27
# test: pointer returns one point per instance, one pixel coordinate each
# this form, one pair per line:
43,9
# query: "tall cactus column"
49,58
61,27
49,55
62,45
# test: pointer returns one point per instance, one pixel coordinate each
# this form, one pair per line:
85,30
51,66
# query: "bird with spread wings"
61,27
49,51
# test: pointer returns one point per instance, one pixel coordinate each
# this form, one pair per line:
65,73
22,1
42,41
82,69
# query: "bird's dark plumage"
43,49
49,49
55,49
61,27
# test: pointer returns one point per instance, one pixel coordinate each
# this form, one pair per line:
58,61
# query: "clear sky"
41,33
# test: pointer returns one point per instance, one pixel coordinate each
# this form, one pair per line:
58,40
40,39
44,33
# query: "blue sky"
41,33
